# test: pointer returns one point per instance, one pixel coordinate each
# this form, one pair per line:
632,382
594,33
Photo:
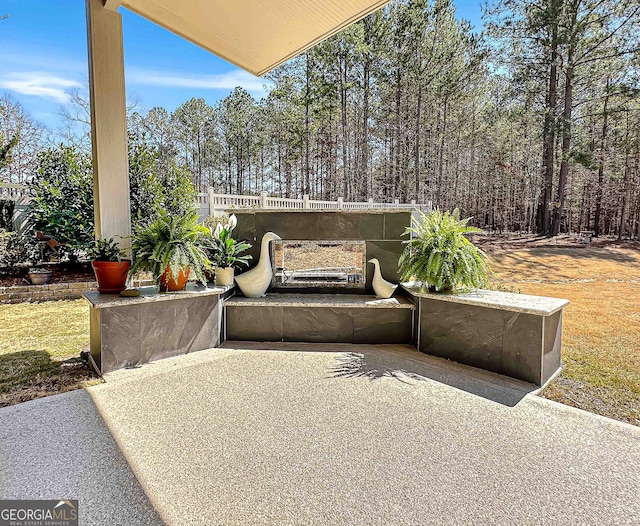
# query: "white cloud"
222,81
39,84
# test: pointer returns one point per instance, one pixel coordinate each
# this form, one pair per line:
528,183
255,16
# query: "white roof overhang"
255,35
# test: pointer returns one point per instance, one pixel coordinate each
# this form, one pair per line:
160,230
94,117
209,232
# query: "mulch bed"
61,273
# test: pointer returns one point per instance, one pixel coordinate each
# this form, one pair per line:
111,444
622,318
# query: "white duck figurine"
255,282
381,286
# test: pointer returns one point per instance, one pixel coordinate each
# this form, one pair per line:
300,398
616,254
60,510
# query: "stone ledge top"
493,299
152,294
321,300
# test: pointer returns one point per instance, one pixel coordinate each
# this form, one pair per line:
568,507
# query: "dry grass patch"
601,332
40,346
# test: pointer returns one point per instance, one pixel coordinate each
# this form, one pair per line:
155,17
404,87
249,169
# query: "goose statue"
381,286
255,282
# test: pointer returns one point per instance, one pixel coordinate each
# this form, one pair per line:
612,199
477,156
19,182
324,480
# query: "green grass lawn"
40,344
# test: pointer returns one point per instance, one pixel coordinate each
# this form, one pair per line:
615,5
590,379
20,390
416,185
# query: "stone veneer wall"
51,292
381,229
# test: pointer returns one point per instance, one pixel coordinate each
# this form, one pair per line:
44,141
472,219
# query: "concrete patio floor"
340,435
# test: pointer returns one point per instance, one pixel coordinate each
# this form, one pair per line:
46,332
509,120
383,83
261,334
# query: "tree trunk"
566,142
417,143
307,103
441,154
599,188
342,66
364,163
625,183
397,141
549,137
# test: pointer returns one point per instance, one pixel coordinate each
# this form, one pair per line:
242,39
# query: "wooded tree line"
533,125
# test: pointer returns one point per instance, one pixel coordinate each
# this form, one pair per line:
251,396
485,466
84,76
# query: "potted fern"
440,255
171,248
225,251
110,265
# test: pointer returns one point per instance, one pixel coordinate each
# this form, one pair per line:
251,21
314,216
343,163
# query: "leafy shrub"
440,255
154,186
211,222
62,190
15,250
144,186
62,205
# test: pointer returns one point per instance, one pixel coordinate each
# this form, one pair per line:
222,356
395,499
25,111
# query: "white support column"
108,123
340,202
305,201
263,199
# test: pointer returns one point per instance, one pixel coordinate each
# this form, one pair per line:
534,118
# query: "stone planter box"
130,331
512,334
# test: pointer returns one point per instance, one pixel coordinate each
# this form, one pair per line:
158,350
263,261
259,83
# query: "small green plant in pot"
226,252
109,265
439,254
170,248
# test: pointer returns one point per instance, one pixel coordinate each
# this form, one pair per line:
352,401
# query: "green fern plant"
439,255
171,242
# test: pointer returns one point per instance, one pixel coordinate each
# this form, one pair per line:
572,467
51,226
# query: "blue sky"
44,56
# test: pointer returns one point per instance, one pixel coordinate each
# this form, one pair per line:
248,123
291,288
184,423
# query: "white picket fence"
214,204
13,190
210,203
19,193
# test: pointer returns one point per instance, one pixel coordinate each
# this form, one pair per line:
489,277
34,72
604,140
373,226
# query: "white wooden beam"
108,123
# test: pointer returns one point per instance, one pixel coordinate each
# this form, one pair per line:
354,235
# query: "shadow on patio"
404,364
410,366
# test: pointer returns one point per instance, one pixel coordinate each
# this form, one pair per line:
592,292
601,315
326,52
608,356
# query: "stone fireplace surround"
381,230
510,334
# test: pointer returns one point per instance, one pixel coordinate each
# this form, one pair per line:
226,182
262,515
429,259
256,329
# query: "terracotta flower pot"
170,283
224,276
111,275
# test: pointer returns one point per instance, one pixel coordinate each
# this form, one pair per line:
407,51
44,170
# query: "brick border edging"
50,292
